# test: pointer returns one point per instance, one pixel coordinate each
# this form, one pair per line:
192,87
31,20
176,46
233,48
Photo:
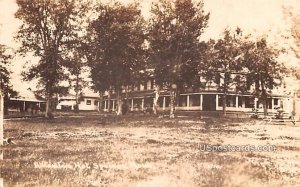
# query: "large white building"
139,97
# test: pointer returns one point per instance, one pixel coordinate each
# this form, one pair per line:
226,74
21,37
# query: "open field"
148,151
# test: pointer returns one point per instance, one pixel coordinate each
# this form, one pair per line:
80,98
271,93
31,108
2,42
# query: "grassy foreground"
148,151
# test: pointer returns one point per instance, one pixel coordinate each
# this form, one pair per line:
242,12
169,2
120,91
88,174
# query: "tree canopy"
226,66
116,40
174,33
49,29
264,70
118,45
5,85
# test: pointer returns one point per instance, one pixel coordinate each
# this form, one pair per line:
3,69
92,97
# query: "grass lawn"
148,151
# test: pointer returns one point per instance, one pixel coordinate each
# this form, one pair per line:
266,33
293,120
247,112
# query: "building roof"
27,99
28,96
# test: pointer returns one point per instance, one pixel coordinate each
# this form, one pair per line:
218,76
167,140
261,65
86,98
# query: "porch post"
217,101
153,107
131,104
164,103
237,102
40,107
98,106
201,102
113,107
143,103
188,101
272,105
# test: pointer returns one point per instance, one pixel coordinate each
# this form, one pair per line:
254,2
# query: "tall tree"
296,34
5,86
6,90
49,29
174,33
294,17
227,63
76,67
116,42
264,71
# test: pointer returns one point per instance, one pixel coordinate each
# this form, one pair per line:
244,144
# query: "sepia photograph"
149,93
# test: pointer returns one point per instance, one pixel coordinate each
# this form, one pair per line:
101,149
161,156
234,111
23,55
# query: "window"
96,103
88,102
141,87
269,103
160,101
276,102
149,85
167,101
194,100
240,101
183,100
103,105
249,102
220,100
152,84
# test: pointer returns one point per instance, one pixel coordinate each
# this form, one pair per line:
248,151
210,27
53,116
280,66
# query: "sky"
256,17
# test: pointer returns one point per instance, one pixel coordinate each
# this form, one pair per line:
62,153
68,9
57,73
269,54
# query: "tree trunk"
264,97
265,107
119,102
48,113
155,101
5,103
1,125
108,101
172,104
100,102
76,109
225,89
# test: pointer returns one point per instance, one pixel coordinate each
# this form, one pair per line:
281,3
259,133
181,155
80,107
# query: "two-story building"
209,98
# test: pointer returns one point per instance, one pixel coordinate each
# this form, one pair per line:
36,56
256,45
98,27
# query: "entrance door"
209,102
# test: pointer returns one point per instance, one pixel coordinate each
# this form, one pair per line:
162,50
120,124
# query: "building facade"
141,97
86,103
25,106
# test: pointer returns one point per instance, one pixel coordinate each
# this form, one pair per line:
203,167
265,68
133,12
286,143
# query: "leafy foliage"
265,73
226,67
174,33
115,46
4,73
5,85
294,17
49,29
